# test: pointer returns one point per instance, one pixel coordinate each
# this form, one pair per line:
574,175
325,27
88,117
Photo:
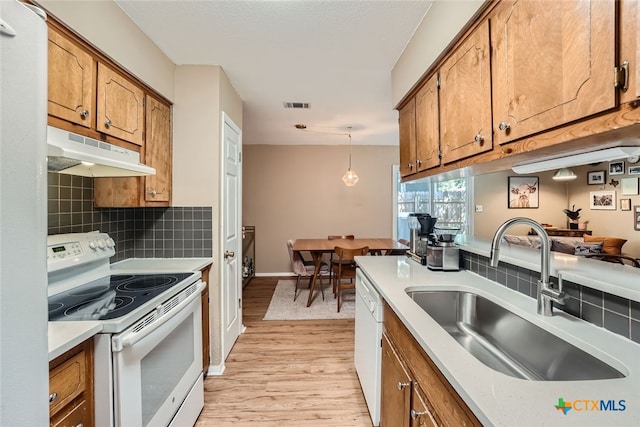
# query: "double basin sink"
508,343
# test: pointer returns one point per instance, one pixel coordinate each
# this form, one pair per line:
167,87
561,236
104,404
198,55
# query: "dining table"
319,247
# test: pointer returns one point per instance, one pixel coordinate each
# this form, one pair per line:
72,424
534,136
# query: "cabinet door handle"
402,386
53,396
410,165
108,122
415,414
419,162
504,126
229,254
478,138
84,114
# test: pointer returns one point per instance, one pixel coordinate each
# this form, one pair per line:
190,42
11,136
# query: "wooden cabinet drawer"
76,417
66,382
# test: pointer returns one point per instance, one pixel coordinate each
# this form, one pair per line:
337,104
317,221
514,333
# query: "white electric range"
148,363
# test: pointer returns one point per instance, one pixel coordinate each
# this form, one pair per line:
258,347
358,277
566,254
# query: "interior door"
231,234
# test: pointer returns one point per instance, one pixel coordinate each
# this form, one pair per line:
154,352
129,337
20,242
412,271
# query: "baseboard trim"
215,370
288,273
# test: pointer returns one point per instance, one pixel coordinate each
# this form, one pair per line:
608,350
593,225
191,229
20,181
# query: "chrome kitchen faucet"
546,295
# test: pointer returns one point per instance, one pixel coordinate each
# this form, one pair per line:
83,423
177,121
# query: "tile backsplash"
614,313
172,232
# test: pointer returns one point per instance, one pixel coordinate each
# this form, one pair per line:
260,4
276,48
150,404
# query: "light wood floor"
286,373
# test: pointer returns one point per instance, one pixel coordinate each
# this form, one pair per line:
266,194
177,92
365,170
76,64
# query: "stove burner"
147,283
55,306
122,301
93,308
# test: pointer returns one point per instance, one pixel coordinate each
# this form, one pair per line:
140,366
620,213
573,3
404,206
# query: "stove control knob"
101,243
92,245
111,243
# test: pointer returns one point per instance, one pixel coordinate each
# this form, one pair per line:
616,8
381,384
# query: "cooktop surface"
112,296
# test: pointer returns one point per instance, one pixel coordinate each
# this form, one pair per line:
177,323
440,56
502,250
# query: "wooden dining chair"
301,267
332,264
346,269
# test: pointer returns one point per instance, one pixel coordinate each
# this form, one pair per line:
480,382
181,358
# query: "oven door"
156,363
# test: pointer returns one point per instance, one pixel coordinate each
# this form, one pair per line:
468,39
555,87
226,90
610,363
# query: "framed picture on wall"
625,204
616,168
522,192
596,177
602,200
634,170
636,217
629,186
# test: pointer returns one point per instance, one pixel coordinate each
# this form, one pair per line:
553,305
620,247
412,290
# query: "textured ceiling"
336,55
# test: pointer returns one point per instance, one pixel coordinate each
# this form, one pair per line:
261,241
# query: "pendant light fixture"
564,174
350,177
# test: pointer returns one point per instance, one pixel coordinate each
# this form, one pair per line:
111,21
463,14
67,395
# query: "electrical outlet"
478,208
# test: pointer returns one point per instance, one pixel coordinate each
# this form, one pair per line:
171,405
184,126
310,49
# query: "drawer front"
78,417
66,382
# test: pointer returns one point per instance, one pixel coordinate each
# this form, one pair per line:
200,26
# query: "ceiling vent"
296,105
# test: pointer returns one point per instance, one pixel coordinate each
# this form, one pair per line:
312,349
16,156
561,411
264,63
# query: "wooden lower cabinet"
414,391
206,339
71,387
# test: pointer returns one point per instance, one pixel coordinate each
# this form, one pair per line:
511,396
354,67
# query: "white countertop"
64,336
496,398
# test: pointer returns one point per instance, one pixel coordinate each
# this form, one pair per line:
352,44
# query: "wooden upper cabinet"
120,110
407,131
72,81
465,98
552,64
630,47
427,122
158,151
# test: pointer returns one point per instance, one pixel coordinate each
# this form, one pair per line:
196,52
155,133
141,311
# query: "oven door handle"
135,334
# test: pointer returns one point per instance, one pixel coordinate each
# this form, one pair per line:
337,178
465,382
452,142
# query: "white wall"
202,93
441,24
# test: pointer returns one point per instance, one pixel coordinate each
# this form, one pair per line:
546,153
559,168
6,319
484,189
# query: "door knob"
229,254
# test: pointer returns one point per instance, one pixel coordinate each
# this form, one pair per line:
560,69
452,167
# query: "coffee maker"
442,252
421,232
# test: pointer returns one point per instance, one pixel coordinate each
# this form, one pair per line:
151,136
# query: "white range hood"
74,154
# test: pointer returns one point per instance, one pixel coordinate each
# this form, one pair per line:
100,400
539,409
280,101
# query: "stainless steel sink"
508,343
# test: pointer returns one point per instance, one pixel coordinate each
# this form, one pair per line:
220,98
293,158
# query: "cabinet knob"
504,126
153,192
479,138
84,114
402,386
419,162
53,396
415,414
108,122
410,165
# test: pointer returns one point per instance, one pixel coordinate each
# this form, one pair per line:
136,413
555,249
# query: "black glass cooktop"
111,297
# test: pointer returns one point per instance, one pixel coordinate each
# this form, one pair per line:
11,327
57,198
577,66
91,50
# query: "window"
444,197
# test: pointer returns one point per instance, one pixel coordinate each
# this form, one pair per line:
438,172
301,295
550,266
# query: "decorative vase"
582,226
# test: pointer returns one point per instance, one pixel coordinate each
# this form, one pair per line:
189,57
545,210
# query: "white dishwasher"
368,350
